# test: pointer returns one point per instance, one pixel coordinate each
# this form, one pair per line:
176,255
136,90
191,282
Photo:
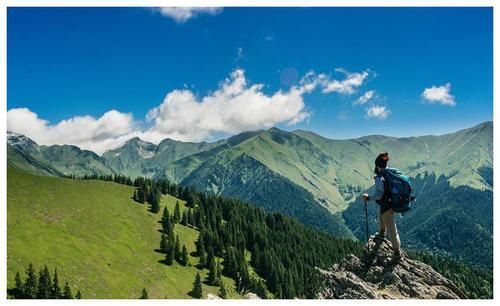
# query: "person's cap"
382,160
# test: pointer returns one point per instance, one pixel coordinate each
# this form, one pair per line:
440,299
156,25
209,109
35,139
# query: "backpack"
398,189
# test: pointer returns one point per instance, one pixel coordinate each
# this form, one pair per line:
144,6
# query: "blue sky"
67,62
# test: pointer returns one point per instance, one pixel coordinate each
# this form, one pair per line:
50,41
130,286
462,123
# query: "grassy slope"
100,240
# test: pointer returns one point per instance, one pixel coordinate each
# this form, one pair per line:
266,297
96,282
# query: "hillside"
55,160
314,179
99,239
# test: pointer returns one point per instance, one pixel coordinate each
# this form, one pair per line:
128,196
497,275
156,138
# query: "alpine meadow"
249,153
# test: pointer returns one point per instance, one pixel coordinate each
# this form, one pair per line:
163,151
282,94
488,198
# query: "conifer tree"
154,199
56,290
166,223
177,212
78,295
219,270
18,290
200,251
30,285
197,291
163,243
67,292
184,219
212,273
184,256
170,253
144,294
190,217
44,284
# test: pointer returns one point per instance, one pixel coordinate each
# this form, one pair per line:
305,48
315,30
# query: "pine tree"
56,290
184,256
18,290
78,295
197,291
141,194
184,219
219,270
163,243
177,249
190,217
177,212
166,223
44,284
155,197
144,294
30,286
170,253
212,273
67,292
200,250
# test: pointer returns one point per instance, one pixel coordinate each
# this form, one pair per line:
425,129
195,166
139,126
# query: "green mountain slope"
246,178
56,160
19,159
140,158
98,238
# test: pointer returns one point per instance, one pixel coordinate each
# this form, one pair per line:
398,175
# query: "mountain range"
310,177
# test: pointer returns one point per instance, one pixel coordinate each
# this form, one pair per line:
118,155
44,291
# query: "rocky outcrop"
376,275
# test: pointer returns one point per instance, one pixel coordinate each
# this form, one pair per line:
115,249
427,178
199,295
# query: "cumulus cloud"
377,111
365,98
183,14
87,132
234,107
439,94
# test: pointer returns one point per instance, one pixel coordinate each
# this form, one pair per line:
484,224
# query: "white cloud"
378,112
87,132
439,94
365,98
183,14
348,85
234,107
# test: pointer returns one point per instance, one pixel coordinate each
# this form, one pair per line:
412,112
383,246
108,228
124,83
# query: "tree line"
40,286
282,251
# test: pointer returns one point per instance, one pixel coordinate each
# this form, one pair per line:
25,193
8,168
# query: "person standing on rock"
380,196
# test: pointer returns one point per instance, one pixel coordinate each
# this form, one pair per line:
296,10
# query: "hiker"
386,217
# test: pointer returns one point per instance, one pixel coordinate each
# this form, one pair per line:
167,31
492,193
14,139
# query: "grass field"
99,239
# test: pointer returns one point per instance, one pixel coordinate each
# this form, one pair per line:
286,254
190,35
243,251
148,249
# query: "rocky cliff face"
375,275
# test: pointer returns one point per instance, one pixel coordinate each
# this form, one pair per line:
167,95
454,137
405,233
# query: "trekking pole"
366,220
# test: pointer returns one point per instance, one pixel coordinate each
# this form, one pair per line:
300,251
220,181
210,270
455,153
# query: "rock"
211,296
251,296
375,275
